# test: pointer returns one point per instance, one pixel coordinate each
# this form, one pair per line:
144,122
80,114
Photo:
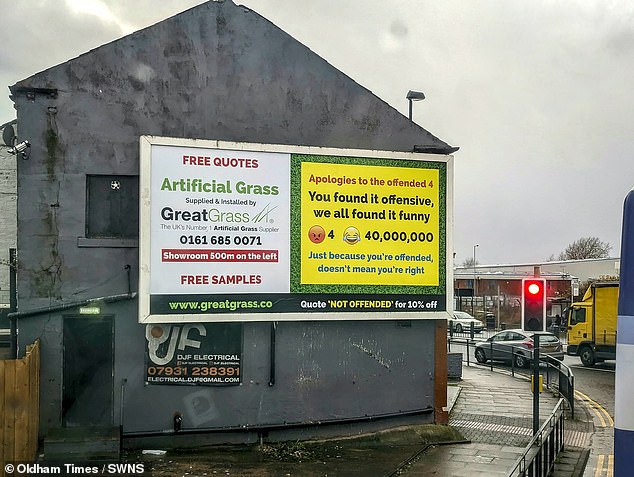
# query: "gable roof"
237,77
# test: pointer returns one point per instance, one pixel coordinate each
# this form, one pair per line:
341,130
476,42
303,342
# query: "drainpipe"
13,302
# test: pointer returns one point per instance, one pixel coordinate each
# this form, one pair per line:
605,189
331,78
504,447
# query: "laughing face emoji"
351,236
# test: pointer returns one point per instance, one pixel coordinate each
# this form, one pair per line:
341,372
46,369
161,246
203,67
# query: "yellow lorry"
592,324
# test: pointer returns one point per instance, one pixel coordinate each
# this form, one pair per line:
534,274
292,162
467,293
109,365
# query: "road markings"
486,426
605,466
599,470
605,463
604,416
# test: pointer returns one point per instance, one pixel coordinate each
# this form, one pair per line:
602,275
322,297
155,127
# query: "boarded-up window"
112,208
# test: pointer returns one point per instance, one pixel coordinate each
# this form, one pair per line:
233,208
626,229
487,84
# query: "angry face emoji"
316,234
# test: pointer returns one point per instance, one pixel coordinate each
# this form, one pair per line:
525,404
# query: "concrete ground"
490,425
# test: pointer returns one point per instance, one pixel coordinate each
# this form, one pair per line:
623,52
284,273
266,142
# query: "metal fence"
464,333
540,455
538,459
558,375
565,380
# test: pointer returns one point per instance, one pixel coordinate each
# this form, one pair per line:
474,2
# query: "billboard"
193,354
240,232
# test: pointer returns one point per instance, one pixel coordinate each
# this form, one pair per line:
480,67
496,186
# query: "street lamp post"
414,96
474,280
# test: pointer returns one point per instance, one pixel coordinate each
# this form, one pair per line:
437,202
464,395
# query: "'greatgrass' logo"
217,216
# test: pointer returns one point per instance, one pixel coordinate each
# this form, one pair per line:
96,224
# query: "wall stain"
47,280
137,84
368,123
373,353
52,144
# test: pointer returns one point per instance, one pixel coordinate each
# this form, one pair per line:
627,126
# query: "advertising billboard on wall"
243,232
193,354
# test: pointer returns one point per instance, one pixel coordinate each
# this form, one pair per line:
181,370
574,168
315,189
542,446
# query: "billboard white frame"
147,235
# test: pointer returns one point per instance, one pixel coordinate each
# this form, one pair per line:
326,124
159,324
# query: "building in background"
497,289
219,72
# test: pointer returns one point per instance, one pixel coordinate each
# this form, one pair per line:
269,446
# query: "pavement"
493,410
490,425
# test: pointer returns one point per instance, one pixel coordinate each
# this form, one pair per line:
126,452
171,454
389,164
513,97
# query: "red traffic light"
533,304
534,288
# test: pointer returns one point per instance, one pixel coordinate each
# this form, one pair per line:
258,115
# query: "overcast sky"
538,95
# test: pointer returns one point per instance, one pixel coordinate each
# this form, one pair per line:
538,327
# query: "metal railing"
565,381
538,459
558,375
465,331
539,456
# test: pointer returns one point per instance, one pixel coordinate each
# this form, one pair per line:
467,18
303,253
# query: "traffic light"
534,304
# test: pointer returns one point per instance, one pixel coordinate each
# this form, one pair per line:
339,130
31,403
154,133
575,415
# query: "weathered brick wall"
8,202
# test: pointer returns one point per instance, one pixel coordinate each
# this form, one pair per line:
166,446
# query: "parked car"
461,322
517,346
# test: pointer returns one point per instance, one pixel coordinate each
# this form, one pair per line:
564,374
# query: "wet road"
595,388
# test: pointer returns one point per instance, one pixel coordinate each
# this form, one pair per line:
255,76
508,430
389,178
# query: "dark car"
517,346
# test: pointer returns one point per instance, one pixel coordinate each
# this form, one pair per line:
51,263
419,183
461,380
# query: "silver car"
461,323
517,346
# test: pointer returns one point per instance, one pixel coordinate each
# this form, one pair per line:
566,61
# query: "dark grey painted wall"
217,71
325,371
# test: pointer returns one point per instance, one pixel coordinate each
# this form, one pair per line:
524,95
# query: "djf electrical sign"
194,354
239,232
